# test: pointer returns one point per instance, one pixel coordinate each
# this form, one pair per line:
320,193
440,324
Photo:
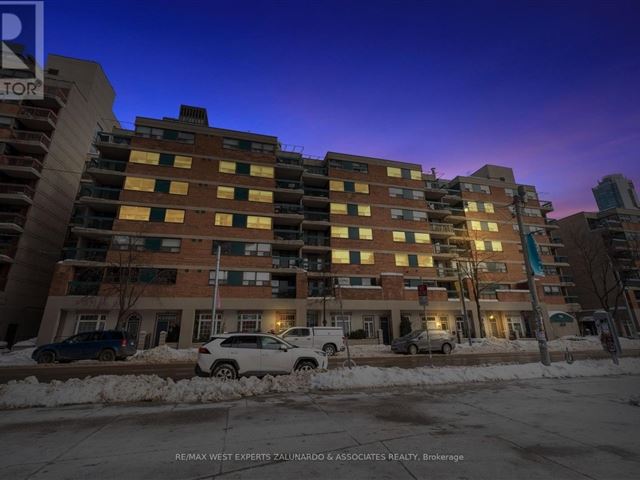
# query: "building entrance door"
385,326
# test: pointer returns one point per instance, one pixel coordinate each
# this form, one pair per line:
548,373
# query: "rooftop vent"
195,115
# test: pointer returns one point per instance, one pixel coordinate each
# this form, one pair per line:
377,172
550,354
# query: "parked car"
229,356
416,341
329,339
106,345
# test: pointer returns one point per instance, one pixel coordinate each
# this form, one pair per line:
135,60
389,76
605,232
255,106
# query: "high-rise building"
44,145
344,240
616,191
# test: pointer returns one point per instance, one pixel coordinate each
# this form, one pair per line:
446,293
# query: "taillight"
204,350
123,343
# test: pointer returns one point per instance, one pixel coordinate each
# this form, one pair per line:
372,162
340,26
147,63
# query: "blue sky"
550,88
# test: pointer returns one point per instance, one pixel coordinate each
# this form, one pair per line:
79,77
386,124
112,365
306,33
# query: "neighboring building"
43,149
604,252
340,241
616,191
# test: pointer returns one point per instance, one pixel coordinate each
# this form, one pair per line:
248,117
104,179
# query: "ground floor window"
444,323
203,329
461,326
369,328
494,329
430,323
313,318
89,322
133,326
170,323
249,322
342,320
516,327
285,320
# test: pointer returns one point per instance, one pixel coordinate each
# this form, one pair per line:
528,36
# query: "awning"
561,317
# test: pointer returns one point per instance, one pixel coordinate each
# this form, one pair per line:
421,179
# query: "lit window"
336,186
134,213
339,232
471,207
425,261
479,245
339,208
399,236
261,223
475,225
224,219
488,207
140,184
260,196
138,156
179,188
367,258
422,238
402,260
180,161
225,192
394,172
366,234
340,256
496,246
227,167
493,227
361,187
364,210
261,171
174,216
416,175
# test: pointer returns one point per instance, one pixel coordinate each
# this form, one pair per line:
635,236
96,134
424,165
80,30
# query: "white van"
329,339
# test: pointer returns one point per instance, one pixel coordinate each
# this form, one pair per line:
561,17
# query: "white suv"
232,355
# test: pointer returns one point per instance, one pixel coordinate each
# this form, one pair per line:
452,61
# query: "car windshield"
415,333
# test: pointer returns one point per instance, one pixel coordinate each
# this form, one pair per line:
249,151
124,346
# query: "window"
89,322
413,260
260,223
340,256
413,215
552,290
174,216
263,196
165,159
367,258
203,329
257,249
343,321
141,184
339,208
347,165
124,242
152,185
227,167
478,207
532,212
239,193
492,267
239,168
411,237
258,279
367,321
224,219
406,193
484,226
248,145
249,322
488,245
354,233
149,158
179,188
286,320
343,186
405,173
356,281
475,187
350,209
152,214
134,213
242,221
261,171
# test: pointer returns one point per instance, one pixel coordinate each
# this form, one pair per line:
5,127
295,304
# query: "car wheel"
446,348
46,357
305,366
412,350
224,372
329,349
107,356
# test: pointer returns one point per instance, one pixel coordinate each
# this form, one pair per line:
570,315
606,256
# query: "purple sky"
550,88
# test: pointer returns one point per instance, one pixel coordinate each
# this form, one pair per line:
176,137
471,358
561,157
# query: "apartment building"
343,240
44,145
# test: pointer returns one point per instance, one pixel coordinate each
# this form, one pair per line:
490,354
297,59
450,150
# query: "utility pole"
519,200
462,302
214,306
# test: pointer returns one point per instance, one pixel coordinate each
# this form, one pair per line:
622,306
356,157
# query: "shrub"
358,335
405,326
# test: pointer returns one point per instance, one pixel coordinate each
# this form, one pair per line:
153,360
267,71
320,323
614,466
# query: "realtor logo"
21,33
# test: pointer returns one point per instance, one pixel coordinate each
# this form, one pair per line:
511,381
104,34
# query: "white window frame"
99,319
369,325
250,318
342,320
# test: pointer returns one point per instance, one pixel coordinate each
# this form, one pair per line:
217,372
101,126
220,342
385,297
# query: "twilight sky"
550,88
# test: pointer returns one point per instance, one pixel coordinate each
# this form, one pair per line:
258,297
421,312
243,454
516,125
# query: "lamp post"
519,200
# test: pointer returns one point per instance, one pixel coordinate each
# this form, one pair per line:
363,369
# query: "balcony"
289,162
314,170
566,279
55,96
27,142
316,216
287,236
287,208
105,164
438,209
316,241
79,287
113,146
103,193
561,259
87,254
20,167
289,184
93,222
280,292
546,205
285,262
440,228
16,193
12,222
442,249
316,192
315,265
571,299
37,118
446,272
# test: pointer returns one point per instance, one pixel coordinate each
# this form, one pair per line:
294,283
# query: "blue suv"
106,346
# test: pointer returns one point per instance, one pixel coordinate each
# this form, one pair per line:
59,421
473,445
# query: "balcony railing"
16,189
285,262
287,235
446,272
440,248
438,206
317,241
317,216
440,227
113,139
56,92
8,249
315,170
88,221
316,192
571,299
289,161
78,287
105,164
39,113
26,136
279,292
12,218
106,193
92,254
18,161
566,278
289,184
560,259
287,208
546,205
315,265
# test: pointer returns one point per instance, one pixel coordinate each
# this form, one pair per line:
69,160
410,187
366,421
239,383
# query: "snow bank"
573,343
18,357
165,354
25,344
368,351
139,388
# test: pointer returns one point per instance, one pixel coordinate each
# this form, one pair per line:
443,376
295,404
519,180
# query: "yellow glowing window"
367,258
471,207
224,219
339,232
425,261
365,234
479,244
227,167
422,238
138,156
261,171
180,161
399,237
416,175
364,210
361,187
339,208
134,213
261,223
493,227
402,260
496,246
336,186
140,184
179,188
394,172
488,207
475,225
174,216
260,196
225,192
340,256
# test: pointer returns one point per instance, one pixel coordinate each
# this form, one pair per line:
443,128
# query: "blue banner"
534,256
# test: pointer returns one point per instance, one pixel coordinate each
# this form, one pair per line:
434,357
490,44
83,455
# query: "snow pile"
138,388
18,357
570,342
368,351
165,354
31,343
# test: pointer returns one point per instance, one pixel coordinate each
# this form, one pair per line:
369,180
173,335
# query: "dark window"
245,342
354,233
157,214
166,159
349,187
410,237
269,343
241,193
163,186
151,243
239,221
413,260
354,258
170,135
243,168
234,278
352,209
228,343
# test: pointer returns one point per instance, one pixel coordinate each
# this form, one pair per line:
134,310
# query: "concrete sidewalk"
566,429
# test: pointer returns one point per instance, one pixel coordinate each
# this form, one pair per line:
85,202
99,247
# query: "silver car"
416,341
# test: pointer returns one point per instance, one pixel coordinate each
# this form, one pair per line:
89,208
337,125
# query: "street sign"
423,291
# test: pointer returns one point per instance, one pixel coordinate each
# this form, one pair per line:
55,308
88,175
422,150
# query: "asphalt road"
177,371
568,429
